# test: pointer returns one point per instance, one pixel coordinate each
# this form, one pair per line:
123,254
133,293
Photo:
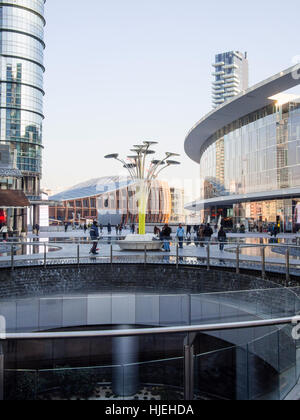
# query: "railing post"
177,255
1,373
208,257
263,262
238,259
45,255
189,368
12,257
287,265
111,254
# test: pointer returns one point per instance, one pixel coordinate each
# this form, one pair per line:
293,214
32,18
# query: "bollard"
145,259
111,255
177,256
208,257
263,262
287,266
78,255
12,257
238,259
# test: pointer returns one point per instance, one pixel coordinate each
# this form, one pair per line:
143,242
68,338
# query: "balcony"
219,73
219,64
219,82
232,76
231,66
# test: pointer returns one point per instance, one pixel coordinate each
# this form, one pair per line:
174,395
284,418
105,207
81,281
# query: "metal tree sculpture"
142,175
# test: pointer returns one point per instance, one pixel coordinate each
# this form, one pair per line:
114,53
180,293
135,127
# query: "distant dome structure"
110,200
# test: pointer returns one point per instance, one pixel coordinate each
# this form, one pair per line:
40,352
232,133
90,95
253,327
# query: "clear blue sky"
123,71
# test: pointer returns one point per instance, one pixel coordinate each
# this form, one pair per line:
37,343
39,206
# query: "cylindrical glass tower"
21,86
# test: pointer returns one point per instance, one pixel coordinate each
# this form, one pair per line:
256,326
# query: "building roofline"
249,101
228,200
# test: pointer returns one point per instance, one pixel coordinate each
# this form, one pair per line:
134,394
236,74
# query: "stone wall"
38,281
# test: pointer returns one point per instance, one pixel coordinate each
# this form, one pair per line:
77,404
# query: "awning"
13,199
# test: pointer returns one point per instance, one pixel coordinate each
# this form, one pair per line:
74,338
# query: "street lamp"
142,175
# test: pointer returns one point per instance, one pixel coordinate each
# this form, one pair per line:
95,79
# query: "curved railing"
275,354
283,258
271,353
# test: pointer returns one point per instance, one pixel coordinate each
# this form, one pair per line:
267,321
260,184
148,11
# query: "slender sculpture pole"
144,176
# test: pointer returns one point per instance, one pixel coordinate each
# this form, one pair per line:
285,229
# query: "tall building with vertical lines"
21,89
231,76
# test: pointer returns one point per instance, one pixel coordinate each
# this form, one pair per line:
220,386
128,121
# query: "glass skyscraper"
21,87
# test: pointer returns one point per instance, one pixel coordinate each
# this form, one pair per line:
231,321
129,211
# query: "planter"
140,243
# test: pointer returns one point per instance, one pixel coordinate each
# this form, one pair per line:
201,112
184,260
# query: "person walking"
66,227
94,233
180,235
85,228
37,229
200,237
222,237
189,230
208,233
275,231
109,228
166,237
157,231
4,231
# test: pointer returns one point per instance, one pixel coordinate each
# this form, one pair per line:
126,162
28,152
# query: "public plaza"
119,288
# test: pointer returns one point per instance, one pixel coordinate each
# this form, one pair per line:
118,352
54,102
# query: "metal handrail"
151,331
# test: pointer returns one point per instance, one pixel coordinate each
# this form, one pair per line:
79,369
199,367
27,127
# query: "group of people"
203,235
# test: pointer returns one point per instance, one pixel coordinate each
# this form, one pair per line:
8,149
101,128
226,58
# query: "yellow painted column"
143,202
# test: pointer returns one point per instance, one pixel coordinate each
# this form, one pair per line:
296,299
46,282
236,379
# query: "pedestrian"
133,228
109,228
85,228
4,231
275,231
189,230
66,227
208,233
37,229
166,237
94,233
180,235
222,237
200,236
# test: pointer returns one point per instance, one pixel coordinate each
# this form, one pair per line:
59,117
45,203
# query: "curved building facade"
110,200
249,156
21,65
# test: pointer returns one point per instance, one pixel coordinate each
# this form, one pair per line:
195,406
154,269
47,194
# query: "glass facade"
256,154
21,88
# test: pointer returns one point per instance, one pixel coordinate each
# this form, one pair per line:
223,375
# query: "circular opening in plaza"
142,332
